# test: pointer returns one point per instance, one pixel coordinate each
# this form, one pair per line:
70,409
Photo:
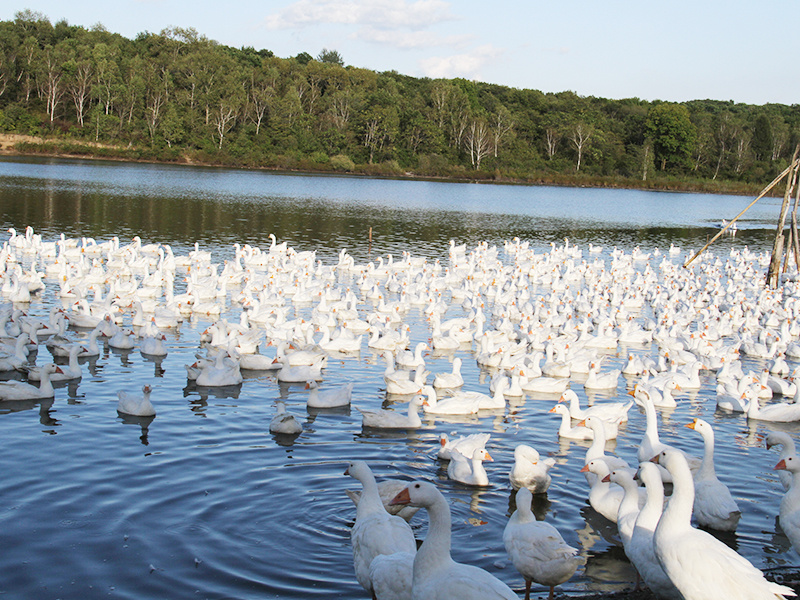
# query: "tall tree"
673,134
580,136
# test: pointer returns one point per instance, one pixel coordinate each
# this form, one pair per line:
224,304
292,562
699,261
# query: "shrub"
340,162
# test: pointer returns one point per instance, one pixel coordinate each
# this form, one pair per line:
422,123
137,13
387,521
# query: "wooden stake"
763,193
773,274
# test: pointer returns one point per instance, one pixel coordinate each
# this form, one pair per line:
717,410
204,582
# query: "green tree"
331,57
762,138
673,134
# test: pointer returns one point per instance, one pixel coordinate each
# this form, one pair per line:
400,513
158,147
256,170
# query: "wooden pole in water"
773,271
795,242
763,193
369,251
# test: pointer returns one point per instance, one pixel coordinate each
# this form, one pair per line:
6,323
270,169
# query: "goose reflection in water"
142,422
540,505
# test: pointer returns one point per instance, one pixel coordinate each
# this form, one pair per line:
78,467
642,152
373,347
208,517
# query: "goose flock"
545,331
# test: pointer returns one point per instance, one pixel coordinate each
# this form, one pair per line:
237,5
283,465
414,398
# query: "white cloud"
390,14
467,65
410,39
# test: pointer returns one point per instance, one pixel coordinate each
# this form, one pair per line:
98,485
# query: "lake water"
203,502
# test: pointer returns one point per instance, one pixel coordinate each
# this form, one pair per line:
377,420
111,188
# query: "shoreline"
81,149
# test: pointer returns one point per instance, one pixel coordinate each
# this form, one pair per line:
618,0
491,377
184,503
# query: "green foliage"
176,95
331,57
673,134
340,162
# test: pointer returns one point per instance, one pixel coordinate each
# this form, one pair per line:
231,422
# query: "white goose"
388,489
449,406
375,531
403,385
566,430
713,504
300,373
138,405
537,549
780,412
18,390
466,445
389,419
436,575
604,498
412,360
785,441
790,503
610,411
329,398
651,445
601,381
68,372
469,470
701,566
284,422
223,371
529,470
639,548
451,380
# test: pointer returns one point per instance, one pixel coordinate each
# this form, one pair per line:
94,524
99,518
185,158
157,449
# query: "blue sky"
676,51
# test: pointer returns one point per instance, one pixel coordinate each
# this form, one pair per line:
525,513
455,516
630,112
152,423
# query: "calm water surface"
203,502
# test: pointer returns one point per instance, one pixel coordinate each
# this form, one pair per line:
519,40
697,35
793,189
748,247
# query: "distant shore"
61,147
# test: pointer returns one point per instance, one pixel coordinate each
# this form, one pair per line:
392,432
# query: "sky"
675,50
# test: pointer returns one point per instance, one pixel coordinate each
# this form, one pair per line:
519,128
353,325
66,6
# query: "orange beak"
401,498
781,466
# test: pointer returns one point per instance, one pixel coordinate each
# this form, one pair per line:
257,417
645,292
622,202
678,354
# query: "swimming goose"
138,405
403,385
529,470
375,531
436,575
18,357
780,412
701,566
389,419
284,422
222,371
537,549
68,372
566,430
609,411
785,441
604,498
466,445
329,398
451,380
410,360
300,373
639,548
469,470
713,504
18,390
790,503
601,381
464,405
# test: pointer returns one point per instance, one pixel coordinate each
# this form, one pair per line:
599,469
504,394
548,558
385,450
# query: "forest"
177,96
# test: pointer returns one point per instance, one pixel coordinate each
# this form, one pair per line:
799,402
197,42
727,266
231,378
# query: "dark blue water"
203,502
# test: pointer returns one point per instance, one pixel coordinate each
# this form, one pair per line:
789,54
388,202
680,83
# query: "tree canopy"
177,95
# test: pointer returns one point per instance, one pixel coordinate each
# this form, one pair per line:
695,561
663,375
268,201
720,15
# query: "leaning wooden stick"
763,193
